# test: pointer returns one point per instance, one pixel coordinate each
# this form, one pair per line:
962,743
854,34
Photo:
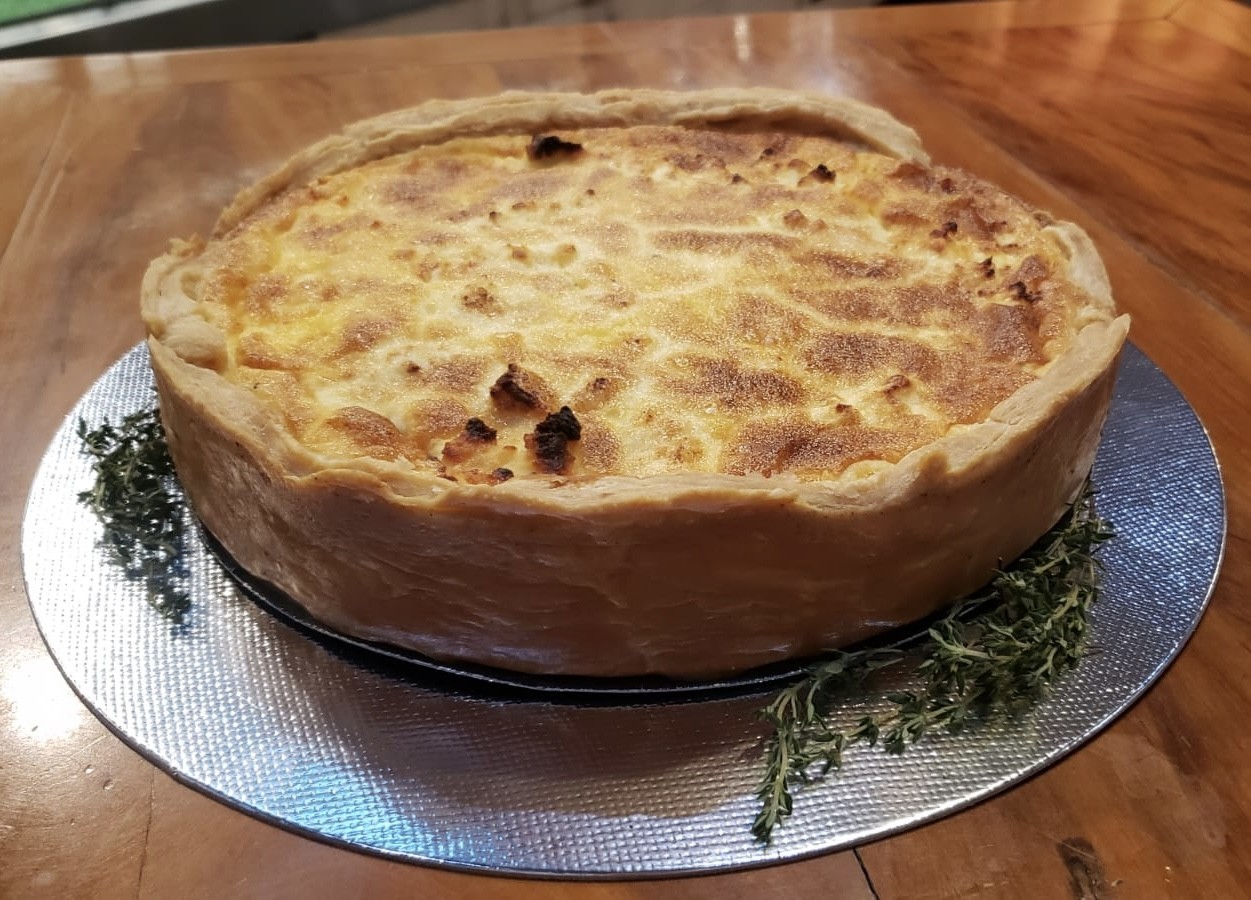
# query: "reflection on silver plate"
351,747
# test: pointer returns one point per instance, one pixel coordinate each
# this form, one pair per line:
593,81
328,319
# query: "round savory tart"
627,383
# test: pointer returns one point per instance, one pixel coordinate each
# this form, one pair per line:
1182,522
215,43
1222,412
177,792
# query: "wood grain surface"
1132,118
32,115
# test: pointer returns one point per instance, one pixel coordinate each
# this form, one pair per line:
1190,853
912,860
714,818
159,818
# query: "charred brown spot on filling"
549,146
477,430
500,475
475,435
518,389
480,300
946,231
1023,292
822,173
794,219
562,422
550,440
1028,279
597,391
974,216
988,267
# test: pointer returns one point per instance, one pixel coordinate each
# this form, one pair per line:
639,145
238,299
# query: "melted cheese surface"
700,300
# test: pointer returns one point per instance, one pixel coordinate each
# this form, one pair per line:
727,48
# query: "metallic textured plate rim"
41,571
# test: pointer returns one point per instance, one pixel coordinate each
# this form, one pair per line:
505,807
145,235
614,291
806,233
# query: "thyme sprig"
135,497
991,657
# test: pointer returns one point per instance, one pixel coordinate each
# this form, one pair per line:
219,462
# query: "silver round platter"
370,748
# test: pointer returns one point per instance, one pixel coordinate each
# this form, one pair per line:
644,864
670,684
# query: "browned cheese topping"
637,301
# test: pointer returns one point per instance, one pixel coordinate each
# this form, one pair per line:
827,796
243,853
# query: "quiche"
639,382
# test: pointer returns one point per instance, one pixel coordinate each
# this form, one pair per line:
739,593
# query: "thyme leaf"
991,657
136,498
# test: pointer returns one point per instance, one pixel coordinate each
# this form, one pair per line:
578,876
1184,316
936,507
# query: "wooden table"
1132,117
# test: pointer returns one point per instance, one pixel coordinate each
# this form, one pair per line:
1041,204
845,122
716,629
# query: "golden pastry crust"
854,437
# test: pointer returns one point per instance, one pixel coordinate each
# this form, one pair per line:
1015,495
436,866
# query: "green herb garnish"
993,656
136,498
